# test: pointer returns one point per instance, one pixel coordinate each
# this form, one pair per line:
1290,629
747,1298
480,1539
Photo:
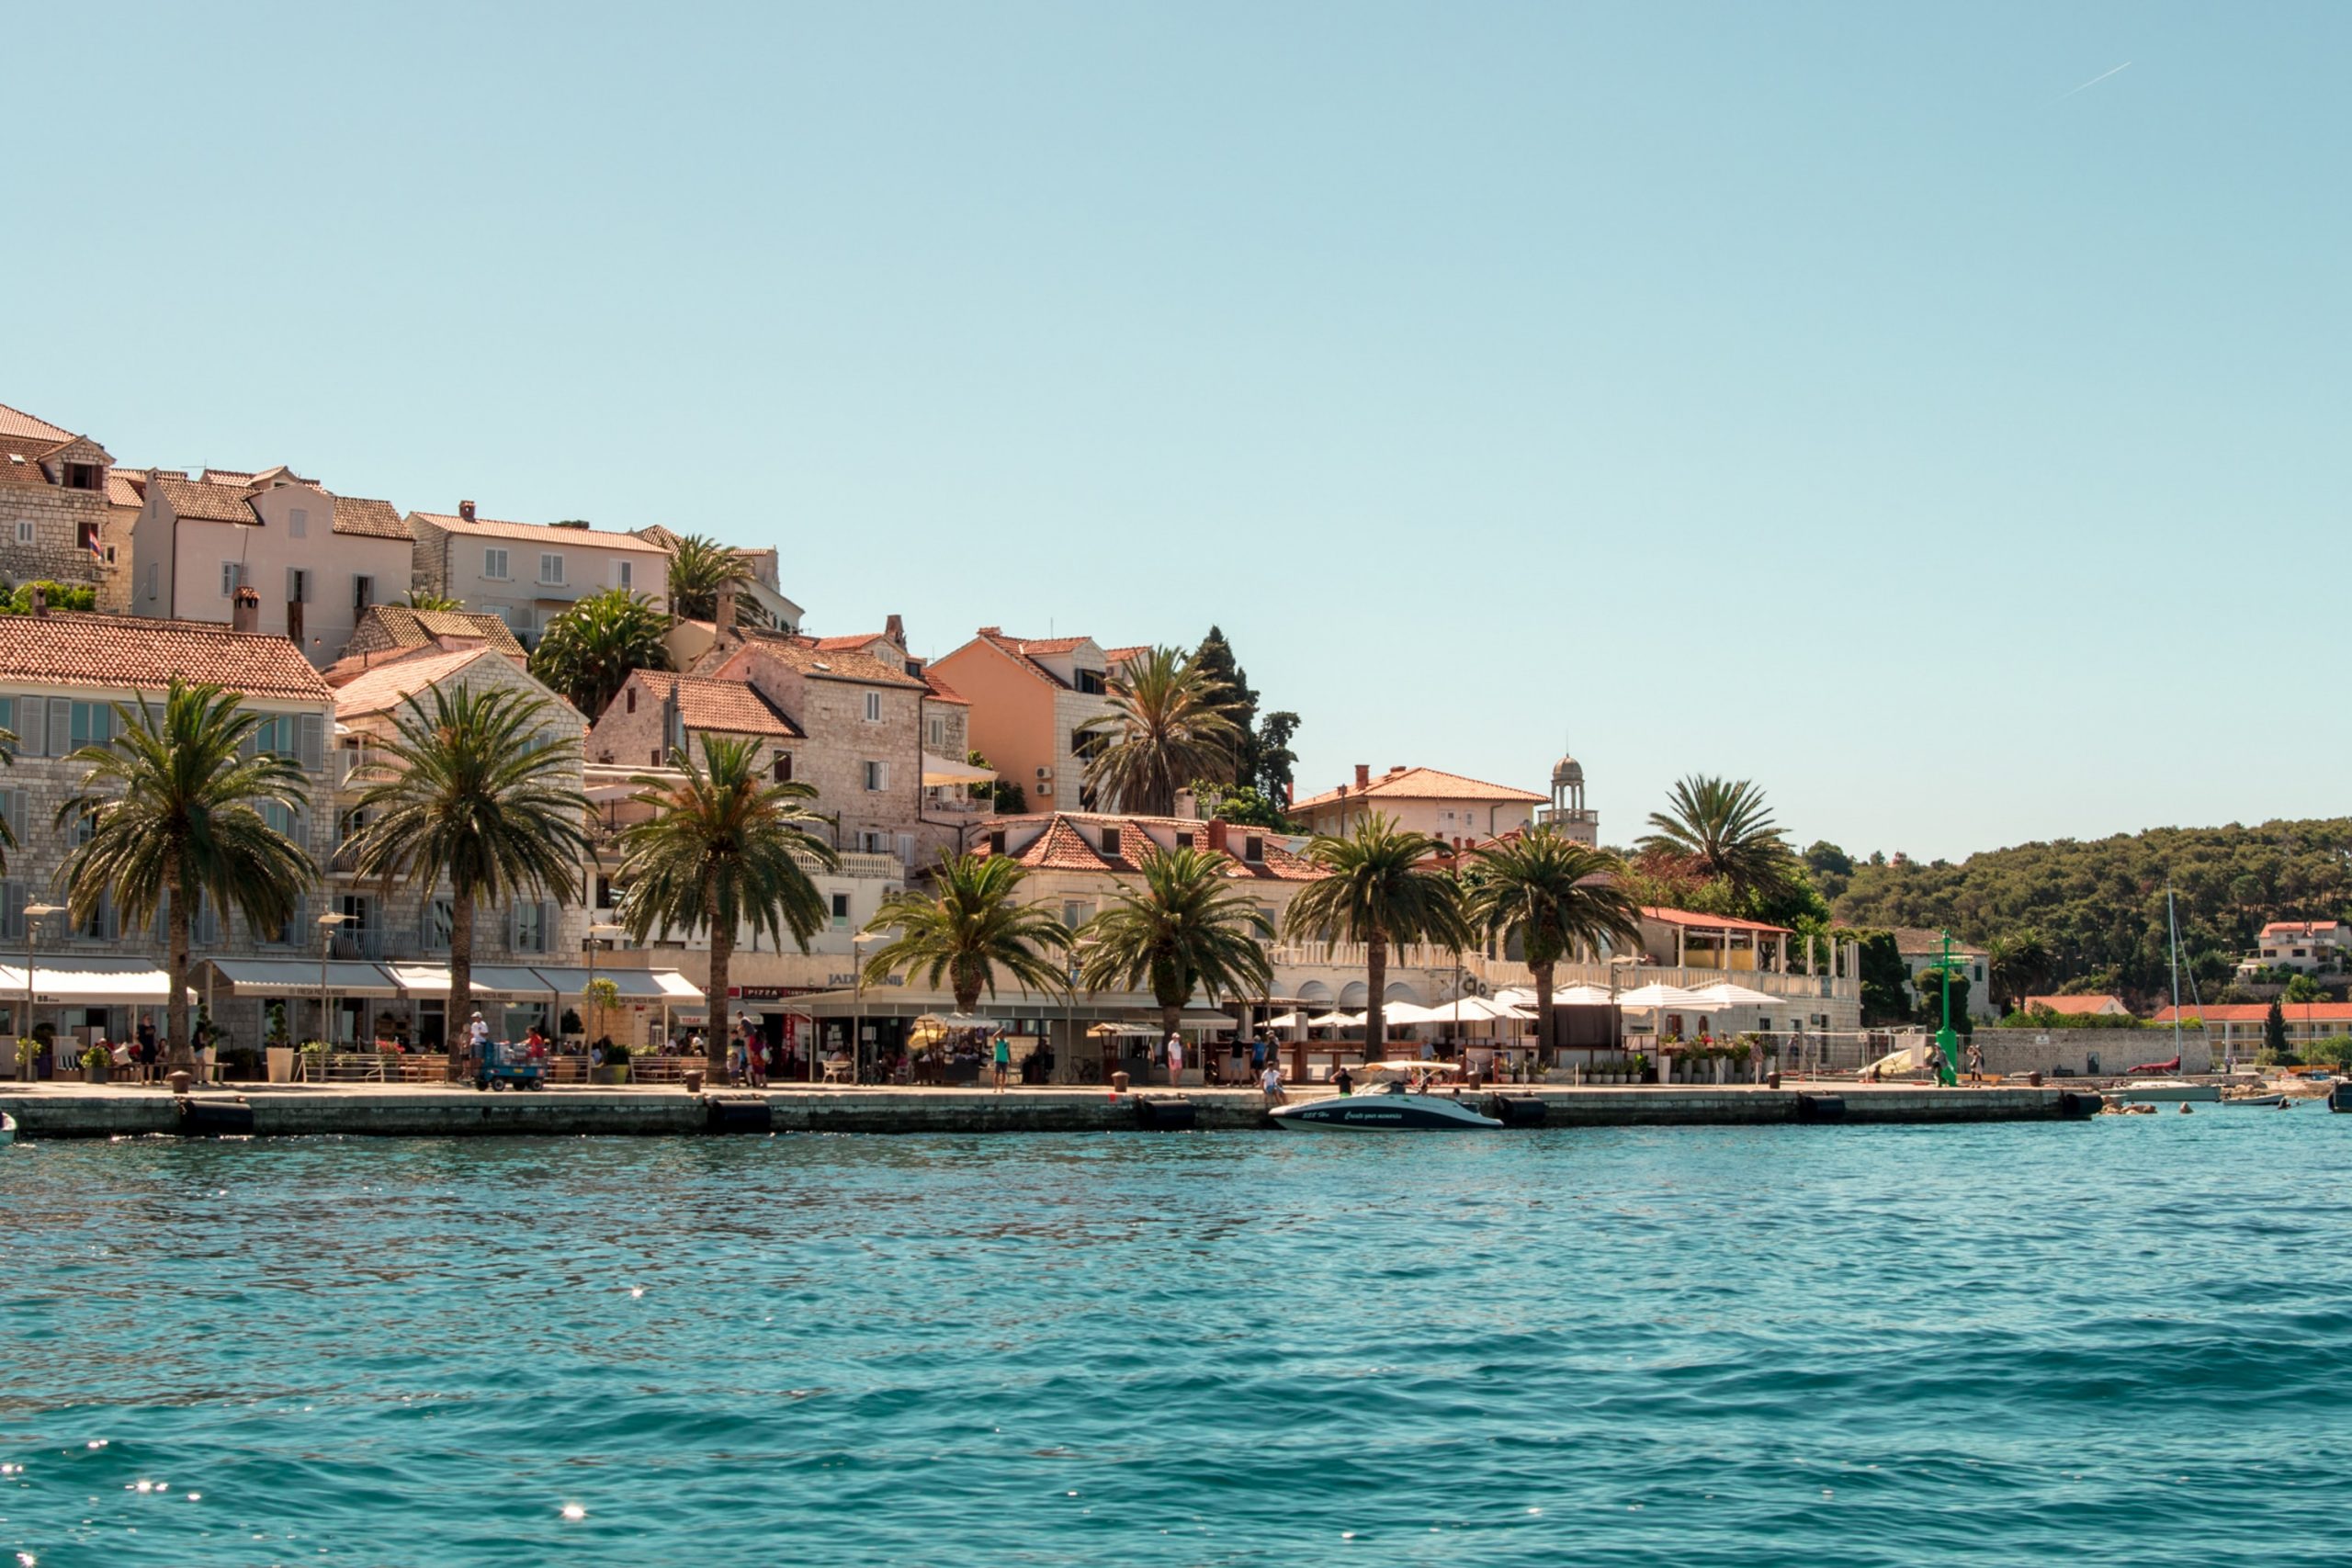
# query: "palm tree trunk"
1547,1031
177,1056
455,1033
722,958
1375,1006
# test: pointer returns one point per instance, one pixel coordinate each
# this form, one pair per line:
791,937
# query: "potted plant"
315,1060
615,1067
278,1046
1641,1067
95,1064
603,998
28,1056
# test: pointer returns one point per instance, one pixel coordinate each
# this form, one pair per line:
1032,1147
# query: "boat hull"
1382,1114
2168,1091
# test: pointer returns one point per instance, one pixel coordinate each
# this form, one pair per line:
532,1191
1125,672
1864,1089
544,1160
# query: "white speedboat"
1392,1107
8,1128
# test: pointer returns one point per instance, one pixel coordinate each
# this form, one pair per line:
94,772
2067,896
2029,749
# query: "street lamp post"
327,924
857,994
603,932
34,915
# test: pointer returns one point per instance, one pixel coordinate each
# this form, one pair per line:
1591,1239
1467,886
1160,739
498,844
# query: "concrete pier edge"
73,1112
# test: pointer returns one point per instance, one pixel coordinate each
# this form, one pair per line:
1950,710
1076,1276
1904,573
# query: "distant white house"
2312,947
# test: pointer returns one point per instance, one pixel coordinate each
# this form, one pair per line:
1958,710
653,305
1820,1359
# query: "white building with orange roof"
1030,700
2312,947
316,560
1457,810
528,573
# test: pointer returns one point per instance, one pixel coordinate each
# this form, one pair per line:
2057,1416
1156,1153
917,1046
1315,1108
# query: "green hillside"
2099,906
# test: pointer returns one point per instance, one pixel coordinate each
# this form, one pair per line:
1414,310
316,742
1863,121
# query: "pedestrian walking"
1001,1058
1975,1063
1175,1059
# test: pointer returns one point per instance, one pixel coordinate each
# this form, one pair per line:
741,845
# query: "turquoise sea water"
2127,1341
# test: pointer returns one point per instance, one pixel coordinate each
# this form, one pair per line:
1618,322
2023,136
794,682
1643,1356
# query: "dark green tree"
2274,1032
1273,759
1214,658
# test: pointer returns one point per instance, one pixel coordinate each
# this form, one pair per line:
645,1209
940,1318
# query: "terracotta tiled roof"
1421,784
384,686
128,653
1021,650
125,487
857,640
941,692
1121,655
820,663
30,427
212,502
2300,928
545,533
2081,1004
1690,918
369,519
732,707
1072,841
2256,1012
418,628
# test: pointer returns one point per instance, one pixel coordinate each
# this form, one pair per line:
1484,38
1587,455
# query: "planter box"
280,1062
613,1075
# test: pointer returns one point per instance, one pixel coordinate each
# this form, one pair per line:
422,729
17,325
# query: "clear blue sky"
1817,394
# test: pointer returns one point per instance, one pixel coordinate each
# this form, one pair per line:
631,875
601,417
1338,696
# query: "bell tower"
1568,812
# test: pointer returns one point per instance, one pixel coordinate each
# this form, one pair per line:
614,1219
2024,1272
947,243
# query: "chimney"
894,628
722,616
1218,828
1363,774
466,509
992,631
41,600
245,614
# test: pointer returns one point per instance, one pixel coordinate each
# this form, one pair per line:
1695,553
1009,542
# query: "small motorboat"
8,1128
2265,1100
2166,1091
1399,1105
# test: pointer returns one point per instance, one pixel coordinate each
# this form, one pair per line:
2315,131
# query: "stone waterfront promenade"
75,1111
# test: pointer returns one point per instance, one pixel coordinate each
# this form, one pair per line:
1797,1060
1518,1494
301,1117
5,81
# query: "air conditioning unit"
1045,774
1045,789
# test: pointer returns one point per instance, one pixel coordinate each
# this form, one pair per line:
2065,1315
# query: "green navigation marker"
1946,1042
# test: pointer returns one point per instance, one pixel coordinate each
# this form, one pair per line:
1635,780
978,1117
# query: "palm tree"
724,848
588,652
472,791
1170,723
175,804
426,599
969,927
699,567
1381,887
1722,828
1185,927
1552,896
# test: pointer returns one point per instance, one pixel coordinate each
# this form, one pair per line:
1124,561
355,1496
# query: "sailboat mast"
2172,927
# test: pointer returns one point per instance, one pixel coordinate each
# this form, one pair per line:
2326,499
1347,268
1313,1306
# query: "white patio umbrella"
1656,995
1724,993
1401,1013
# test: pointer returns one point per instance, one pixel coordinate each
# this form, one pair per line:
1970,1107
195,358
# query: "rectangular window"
841,911
873,707
624,574
530,927
784,767
1088,744
996,840
153,574
937,732
878,776
231,574
363,594
1184,839
8,715
1253,849
298,524
357,910
277,736
440,925
279,816
85,476
298,585
604,893
1091,681
24,530
873,842
551,568
1073,913
493,565
1109,841
92,725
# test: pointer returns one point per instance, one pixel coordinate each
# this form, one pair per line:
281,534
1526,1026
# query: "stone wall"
57,515
2089,1052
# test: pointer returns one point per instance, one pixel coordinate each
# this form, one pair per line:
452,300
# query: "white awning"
1725,994
636,985
298,977
938,771
97,982
487,980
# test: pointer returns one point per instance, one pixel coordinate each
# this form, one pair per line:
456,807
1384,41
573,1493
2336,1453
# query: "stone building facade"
56,523
528,573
